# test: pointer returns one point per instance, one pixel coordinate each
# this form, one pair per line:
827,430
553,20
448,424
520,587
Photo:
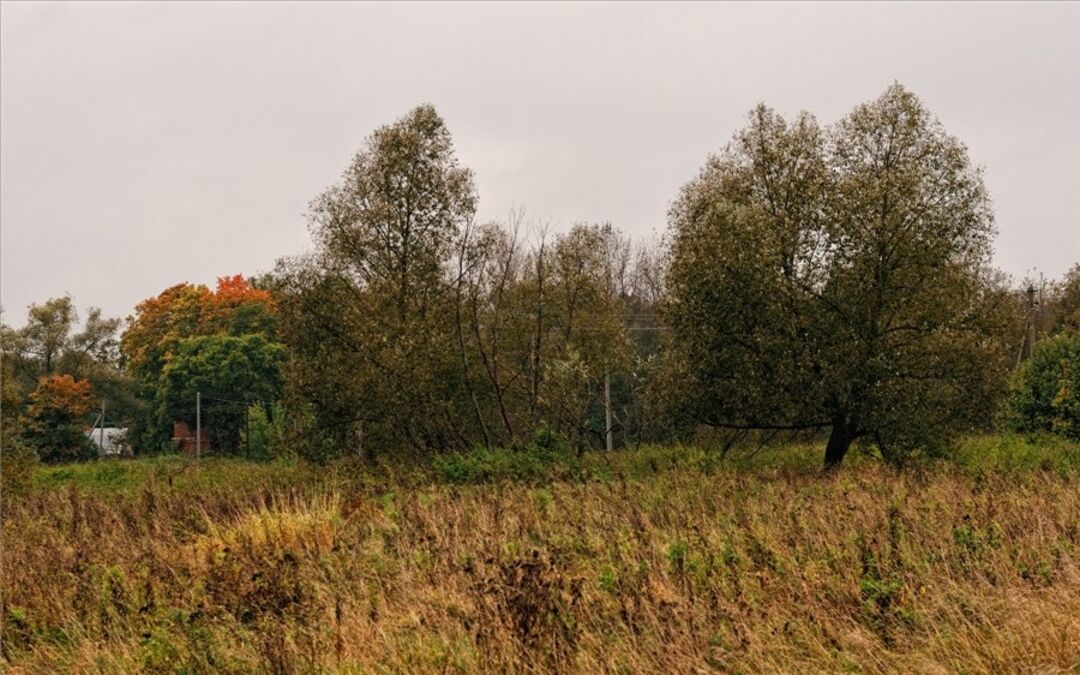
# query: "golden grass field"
653,565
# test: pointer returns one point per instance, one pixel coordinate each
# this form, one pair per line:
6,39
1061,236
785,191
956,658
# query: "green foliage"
227,371
413,329
837,279
541,462
265,432
1044,392
1017,454
219,475
17,464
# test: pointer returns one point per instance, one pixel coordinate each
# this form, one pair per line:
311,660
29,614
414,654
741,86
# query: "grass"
657,560
114,476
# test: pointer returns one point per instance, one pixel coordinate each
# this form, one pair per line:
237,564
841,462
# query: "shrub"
265,434
544,459
1044,393
16,465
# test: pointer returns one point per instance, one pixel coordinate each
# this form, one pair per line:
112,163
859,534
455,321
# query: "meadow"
648,560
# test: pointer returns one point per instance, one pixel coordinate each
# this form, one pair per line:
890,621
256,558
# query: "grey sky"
147,144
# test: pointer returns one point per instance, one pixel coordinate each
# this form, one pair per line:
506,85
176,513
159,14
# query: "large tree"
837,279
230,373
366,316
162,324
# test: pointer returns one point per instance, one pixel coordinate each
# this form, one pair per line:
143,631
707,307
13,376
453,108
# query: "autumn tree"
54,342
837,279
161,324
55,427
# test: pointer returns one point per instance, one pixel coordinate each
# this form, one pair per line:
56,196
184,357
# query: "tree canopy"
230,372
158,345
837,278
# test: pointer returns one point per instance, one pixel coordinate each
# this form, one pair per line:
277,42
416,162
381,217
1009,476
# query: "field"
655,560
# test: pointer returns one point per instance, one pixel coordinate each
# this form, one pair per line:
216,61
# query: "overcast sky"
146,144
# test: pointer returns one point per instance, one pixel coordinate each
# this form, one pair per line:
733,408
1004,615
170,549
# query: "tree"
48,331
51,343
371,302
538,329
838,279
162,323
185,310
1044,392
95,345
37,349
391,224
1067,302
55,428
231,373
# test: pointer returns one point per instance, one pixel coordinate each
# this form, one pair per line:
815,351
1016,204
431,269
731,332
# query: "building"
110,440
183,438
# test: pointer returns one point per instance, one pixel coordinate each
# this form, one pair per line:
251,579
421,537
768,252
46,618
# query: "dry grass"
681,571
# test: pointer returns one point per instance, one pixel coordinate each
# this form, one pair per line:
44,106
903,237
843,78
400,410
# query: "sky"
142,145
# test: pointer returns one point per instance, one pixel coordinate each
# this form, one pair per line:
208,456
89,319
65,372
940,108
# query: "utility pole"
607,409
1032,321
101,434
198,424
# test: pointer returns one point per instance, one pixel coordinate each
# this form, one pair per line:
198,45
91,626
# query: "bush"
543,460
1044,393
16,465
263,436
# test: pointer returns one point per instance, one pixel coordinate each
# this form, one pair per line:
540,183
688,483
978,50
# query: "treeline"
414,326
822,281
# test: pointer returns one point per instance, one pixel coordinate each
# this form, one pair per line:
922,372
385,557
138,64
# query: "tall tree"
374,298
838,279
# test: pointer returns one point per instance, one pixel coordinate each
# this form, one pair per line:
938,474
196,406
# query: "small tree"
1044,392
55,427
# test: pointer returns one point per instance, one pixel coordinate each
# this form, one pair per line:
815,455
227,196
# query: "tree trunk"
840,440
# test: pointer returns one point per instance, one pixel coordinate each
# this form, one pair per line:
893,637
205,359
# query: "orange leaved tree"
55,428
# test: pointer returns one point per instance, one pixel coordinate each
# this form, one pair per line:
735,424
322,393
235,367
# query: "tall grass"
662,560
